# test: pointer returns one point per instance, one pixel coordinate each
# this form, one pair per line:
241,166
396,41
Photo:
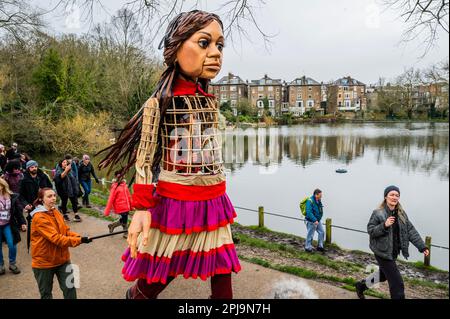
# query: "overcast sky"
322,39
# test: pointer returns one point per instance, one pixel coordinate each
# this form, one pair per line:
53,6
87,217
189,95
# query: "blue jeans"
311,228
6,231
87,186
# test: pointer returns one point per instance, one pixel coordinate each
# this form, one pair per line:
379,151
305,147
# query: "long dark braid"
181,28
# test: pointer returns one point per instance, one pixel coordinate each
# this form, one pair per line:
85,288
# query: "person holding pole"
390,232
50,242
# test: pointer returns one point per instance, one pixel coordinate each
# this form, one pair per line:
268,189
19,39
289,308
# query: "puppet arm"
143,189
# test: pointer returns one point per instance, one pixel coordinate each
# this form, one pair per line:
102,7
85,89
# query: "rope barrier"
335,226
283,216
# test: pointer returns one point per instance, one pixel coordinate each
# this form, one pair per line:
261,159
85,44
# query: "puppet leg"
144,290
221,287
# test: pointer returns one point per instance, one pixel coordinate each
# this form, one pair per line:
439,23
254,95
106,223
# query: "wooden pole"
328,230
427,259
261,216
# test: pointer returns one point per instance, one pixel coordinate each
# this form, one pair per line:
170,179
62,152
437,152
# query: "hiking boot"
66,218
360,288
113,226
87,203
14,269
77,218
308,250
321,249
2,270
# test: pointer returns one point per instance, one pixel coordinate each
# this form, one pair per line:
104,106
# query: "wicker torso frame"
191,142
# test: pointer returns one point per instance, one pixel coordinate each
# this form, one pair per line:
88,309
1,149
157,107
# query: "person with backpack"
120,201
312,209
390,232
11,223
50,242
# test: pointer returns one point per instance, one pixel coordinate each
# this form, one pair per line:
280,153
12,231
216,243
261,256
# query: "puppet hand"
139,223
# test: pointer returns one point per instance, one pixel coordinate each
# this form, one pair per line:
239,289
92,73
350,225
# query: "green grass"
98,200
311,274
426,283
95,213
369,292
421,265
320,259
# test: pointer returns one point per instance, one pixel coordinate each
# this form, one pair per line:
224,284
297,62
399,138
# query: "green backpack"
303,205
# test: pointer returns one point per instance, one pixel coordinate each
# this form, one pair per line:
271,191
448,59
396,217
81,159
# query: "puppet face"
200,56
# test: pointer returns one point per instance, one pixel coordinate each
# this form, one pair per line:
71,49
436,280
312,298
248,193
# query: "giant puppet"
182,221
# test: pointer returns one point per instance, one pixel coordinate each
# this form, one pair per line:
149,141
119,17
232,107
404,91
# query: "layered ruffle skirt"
188,238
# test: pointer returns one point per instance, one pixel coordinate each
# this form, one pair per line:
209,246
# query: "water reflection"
411,147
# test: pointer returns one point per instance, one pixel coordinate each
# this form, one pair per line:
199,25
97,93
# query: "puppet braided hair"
181,28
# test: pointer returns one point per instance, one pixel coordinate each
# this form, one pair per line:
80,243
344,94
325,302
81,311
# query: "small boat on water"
341,170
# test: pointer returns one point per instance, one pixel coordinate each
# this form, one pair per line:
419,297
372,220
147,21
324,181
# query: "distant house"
266,88
230,88
346,94
305,94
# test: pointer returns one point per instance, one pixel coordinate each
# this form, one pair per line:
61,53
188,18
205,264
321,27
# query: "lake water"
411,156
277,167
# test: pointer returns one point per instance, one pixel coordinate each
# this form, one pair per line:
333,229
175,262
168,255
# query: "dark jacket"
29,186
17,219
66,186
381,239
3,161
314,210
13,180
85,171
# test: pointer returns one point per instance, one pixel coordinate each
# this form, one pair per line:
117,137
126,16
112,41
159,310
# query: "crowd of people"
28,203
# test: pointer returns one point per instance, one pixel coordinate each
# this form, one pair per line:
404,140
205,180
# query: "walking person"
50,242
120,201
33,180
13,175
314,213
85,170
67,189
12,152
390,232
3,159
11,223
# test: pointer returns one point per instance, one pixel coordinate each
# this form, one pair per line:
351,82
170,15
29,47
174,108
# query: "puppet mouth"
215,67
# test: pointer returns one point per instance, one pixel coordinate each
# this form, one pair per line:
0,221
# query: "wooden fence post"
328,230
427,260
261,216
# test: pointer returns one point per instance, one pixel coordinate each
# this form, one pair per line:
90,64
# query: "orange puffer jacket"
50,239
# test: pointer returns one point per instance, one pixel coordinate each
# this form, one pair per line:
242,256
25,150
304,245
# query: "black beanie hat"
390,189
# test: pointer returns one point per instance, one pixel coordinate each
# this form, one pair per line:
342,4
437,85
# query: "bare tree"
409,81
153,15
424,19
18,19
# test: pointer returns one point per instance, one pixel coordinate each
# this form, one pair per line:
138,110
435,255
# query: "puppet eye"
203,43
220,46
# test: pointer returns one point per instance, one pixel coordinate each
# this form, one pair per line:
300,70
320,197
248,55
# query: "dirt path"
100,275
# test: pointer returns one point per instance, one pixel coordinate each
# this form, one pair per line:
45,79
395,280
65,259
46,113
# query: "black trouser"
44,278
124,218
73,200
390,272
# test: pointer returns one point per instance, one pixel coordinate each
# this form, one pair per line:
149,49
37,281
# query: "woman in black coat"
11,222
390,232
67,188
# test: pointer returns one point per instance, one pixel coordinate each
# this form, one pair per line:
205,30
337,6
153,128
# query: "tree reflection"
412,148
